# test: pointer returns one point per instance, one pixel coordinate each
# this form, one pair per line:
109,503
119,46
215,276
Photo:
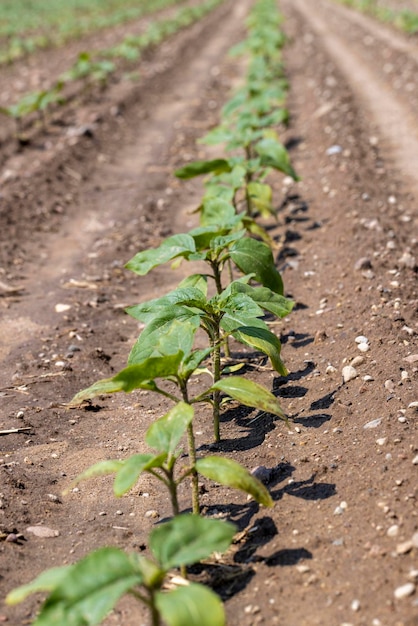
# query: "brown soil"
75,206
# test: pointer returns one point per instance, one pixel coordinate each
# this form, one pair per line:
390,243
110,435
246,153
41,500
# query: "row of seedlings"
164,359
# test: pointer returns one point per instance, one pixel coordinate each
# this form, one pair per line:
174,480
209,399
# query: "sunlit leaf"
171,248
197,168
194,605
250,393
231,474
189,538
252,256
133,377
165,433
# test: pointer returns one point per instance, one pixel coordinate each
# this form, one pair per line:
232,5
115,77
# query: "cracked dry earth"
340,546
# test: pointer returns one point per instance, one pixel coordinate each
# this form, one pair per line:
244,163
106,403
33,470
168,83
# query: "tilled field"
94,186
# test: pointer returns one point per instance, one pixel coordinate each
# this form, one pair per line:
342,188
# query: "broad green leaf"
203,235
274,154
197,168
264,340
169,304
253,227
249,393
90,589
102,468
217,212
194,605
232,474
220,244
188,539
252,256
261,197
165,434
192,361
171,248
46,581
267,299
133,377
132,468
197,281
164,336
216,135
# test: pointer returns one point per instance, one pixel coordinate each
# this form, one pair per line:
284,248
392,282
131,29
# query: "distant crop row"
404,19
26,26
98,66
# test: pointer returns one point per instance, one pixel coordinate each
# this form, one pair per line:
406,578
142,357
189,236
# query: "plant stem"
155,615
192,455
216,377
217,276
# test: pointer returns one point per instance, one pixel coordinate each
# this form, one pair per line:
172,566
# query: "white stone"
373,424
393,531
349,373
363,347
361,339
404,591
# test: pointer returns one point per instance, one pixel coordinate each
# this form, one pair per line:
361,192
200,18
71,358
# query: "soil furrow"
397,120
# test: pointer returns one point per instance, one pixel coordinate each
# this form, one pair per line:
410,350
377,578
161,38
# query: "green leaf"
132,468
171,248
197,281
197,168
217,212
252,256
194,605
261,198
133,377
264,340
267,299
102,468
232,474
90,589
189,538
164,336
192,361
249,393
274,154
169,305
165,434
46,581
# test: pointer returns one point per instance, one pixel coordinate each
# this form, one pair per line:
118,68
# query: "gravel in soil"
340,545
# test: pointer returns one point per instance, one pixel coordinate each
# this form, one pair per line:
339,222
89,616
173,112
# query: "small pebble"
373,424
152,514
404,547
415,460
349,373
355,605
361,339
381,441
368,379
363,347
404,591
393,531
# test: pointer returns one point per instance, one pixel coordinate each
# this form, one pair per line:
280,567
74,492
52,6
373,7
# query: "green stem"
155,614
216,377
192,456
217,276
